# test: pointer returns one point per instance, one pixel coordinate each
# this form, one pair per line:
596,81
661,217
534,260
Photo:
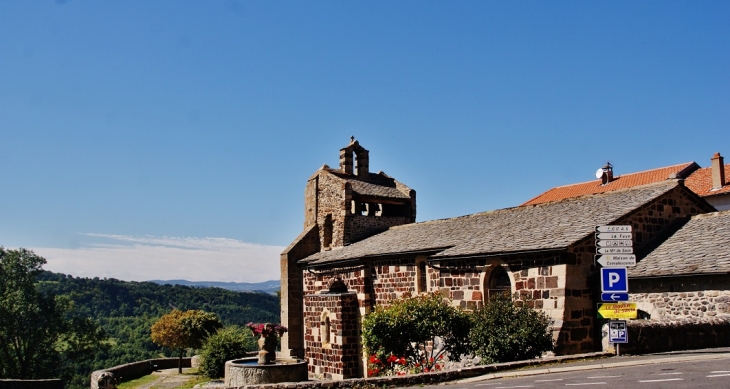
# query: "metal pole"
617,349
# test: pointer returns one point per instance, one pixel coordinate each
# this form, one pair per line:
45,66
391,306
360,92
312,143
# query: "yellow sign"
617,311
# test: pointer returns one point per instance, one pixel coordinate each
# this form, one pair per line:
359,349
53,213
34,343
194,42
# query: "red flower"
373,359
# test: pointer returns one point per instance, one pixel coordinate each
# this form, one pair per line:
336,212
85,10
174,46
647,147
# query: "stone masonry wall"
376,283
652,336
331,201
578,333
683,300
292,287
359,227
538,280
356,279
394,278
334,355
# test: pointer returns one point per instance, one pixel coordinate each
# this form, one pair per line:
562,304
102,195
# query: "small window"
327,238
421,276
324,328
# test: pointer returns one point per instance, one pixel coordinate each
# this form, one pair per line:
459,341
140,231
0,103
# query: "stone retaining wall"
658,336
32,384
138,369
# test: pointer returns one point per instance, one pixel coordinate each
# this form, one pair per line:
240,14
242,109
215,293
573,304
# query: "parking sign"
617,332
614,279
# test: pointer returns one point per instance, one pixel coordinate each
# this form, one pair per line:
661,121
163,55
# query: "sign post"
614,253
617,333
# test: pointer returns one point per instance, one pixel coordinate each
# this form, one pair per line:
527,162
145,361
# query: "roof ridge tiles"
623,175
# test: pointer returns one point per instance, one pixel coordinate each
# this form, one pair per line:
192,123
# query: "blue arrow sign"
614,297
614,279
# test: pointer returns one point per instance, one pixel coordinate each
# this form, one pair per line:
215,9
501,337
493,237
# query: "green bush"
229,343
404,328
503,331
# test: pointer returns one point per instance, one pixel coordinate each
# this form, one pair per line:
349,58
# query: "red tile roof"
620,182
700,182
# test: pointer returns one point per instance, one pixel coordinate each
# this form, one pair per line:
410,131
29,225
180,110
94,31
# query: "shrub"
503,331
403,330
229,343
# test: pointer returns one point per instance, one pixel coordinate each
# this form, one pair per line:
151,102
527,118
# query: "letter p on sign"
614,279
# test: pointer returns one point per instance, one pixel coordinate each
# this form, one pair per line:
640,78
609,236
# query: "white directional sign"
613,235
617,260
613,229
615,243
615,250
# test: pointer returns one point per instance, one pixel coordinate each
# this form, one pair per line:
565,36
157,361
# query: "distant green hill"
126,311
272,286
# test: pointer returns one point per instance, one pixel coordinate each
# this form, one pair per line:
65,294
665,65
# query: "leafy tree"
229,343
404,328
180,330
504,331
41,335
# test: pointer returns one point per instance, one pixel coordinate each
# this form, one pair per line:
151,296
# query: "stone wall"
32,384
332,335
649,336
679,299
538,280
292,287
138,369
393,279
359,227
331,209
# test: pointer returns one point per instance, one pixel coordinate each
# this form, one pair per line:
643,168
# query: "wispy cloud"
135,258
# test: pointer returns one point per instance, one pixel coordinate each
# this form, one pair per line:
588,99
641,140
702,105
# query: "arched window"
324,328
498,283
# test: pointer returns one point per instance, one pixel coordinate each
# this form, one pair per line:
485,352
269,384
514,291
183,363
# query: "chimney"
607,173
718,171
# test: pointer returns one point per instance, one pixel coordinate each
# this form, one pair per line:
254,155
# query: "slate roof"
379,185
700,182
619,182
699,247
542,227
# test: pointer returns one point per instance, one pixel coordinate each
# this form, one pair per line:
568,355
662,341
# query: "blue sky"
173,139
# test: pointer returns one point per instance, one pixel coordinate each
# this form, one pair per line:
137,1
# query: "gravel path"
167,379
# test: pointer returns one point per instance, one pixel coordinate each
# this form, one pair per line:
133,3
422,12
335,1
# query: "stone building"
682,288
361,248
342,206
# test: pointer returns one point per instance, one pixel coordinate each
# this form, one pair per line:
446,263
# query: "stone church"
361,248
